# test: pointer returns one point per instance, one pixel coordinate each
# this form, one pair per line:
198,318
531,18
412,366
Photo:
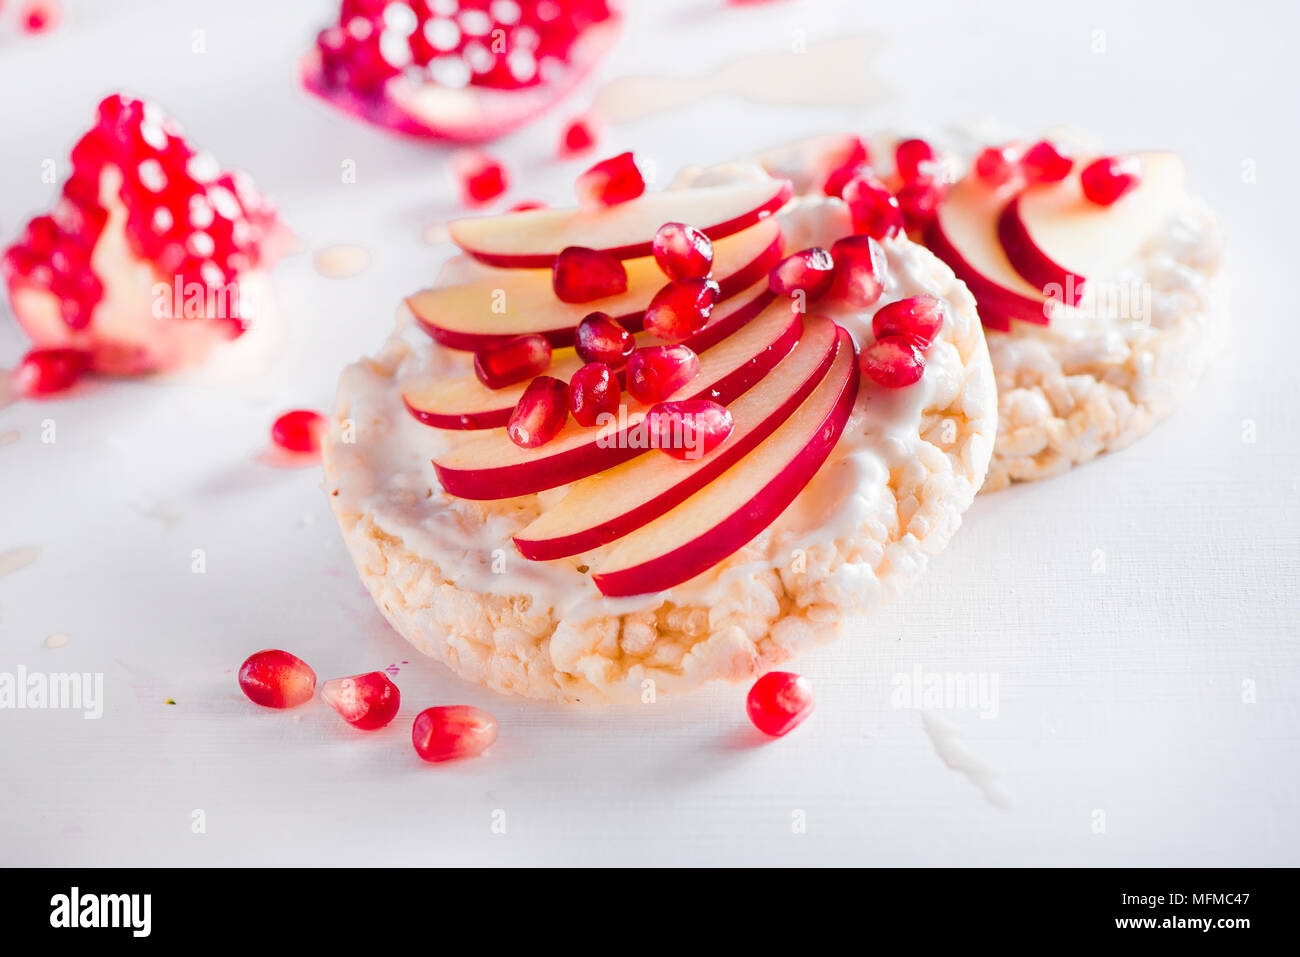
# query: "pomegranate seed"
581,275
689,429
856,162
1107,179
919,318
909,156
512,361
683,252
593,391
299,431
894,362
919,201
40,16
452,731
600,339
277,679
368,701
46,371
656,372
681,307
874,209
578,136
778,702
540,412
610,182
859,271
481,178
809,271
1044,163
524,205
996,165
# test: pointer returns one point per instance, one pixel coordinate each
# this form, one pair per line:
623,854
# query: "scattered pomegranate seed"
512,361
452,731
581,274
593,391
894,361
600,339
1044,163
681,307
778,702
919,200
368,701
875,210
1107,179
47,371
856,162
909,158
540,412
481,178
656,372
689,429
40,16
996,165
299,431
524,205
683,252
859,271
809,271
610,182
277,679
919,318
578,136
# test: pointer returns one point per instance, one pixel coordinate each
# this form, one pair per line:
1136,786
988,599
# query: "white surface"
1121,691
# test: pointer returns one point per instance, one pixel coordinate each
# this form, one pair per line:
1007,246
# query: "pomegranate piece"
581,274
452,731
683,252
681,308
47,371
856,162
480,177
578,136
778,702
1044,163
40,16
859,271
912,159
919,200
874,209
918,318
299,431
689,429
540,412
368,701
1107,179
894,362
600,339
656,372
610,182
277,679
996,165
593,391
809,271
512,361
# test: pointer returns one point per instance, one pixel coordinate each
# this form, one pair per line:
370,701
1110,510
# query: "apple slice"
724,516
811,163
964,234
607,506
466,403
1056,238
535,237
489,466
463,316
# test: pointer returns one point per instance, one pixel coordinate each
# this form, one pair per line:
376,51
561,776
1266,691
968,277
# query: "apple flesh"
723,517
533,238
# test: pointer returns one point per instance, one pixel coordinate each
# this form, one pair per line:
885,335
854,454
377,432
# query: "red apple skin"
460,421
738,529
1031,262
709,469
997,304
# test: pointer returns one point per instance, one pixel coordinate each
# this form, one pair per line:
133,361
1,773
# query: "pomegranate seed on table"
894,362
277,679
581,274
778,702
47,371
610,182
540,412
600,339
917,317
1044,163
996,165
856,162
656,372
689,429
683,252
578,136
809,271
368,701
1107,179
681,307
480,177
909,158
452,731
874,208
919,200
593,391
859,271
512,361
299,431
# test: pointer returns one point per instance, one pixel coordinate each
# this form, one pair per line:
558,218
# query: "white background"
1121,691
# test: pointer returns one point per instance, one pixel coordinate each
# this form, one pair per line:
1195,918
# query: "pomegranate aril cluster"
1040,163
904,330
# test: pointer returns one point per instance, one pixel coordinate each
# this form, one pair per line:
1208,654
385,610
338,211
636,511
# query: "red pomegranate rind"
368,701
277,679
778,702
452,731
